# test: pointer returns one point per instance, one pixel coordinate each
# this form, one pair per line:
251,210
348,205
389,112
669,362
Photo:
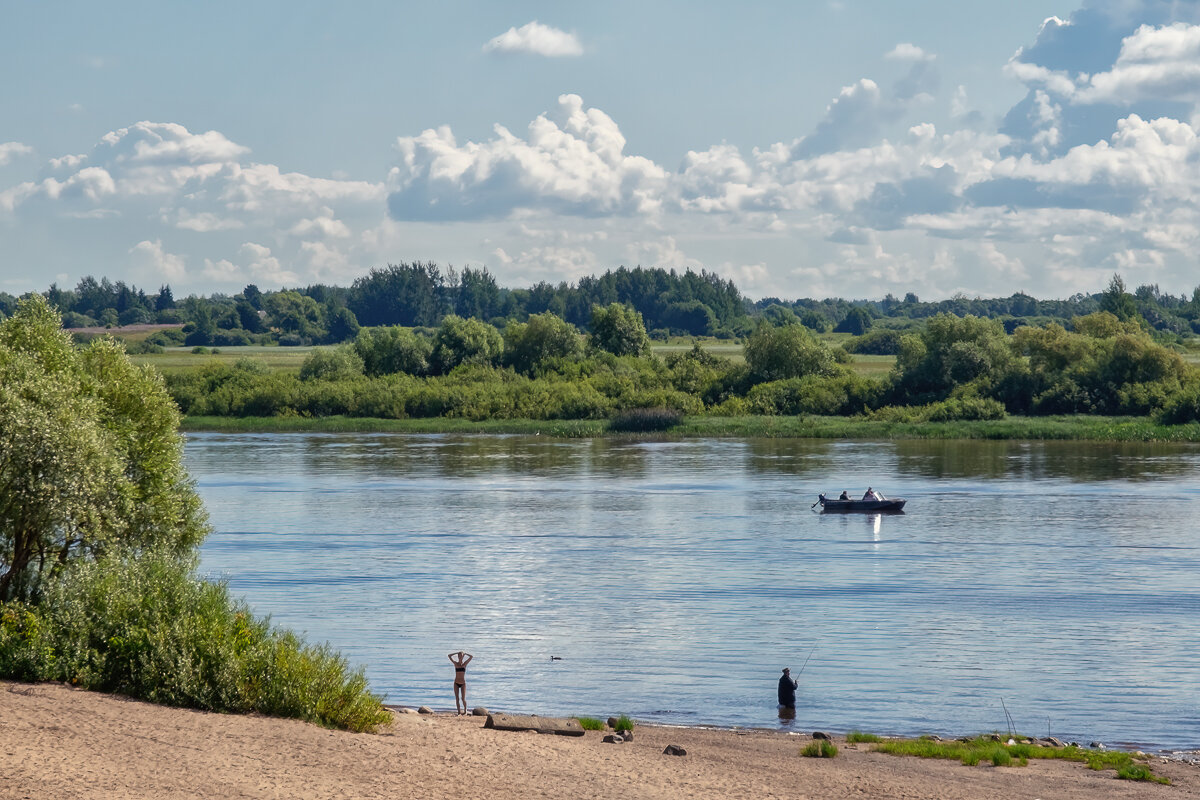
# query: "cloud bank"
1096,169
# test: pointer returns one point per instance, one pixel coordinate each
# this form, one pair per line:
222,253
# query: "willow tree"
90,454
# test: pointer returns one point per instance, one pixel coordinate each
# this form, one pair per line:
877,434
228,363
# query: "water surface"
675,579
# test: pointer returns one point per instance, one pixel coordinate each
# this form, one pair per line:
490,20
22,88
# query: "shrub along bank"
951,369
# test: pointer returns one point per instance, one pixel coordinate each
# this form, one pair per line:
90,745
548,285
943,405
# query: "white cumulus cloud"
1159,63
11,150
573,164
536,39
156,263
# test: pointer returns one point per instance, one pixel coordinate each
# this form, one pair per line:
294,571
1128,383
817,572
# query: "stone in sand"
479,711
612,722
613,738
820,735
521,722
674,750
424,710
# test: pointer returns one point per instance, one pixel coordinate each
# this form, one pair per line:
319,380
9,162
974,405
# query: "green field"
289,359
179,359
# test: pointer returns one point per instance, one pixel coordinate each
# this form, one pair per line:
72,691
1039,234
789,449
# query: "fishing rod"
805,664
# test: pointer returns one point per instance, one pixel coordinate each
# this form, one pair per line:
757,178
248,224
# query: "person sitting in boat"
845,495
871,494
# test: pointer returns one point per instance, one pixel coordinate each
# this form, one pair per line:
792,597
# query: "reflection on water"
676,578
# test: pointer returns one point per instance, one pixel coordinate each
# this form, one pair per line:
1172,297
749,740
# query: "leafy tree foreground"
99,530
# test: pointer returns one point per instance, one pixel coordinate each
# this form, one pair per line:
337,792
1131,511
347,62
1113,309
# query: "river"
671,581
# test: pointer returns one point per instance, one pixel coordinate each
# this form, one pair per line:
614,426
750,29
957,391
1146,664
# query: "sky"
823,148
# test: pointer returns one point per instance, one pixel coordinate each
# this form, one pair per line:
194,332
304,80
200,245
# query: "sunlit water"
674,580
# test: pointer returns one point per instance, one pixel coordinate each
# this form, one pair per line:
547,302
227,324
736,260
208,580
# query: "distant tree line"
421,294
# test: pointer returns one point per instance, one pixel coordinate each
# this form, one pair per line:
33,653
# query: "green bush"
624,724
146,628
168,337
590,723
1182,407
855,737
331,365
881,342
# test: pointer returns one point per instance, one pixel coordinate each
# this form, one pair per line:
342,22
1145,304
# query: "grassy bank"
1112,429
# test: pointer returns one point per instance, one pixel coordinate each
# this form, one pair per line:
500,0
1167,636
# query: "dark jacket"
787,691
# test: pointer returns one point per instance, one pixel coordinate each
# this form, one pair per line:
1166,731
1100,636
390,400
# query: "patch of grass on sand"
820,748
858,737
983,748
624,723
590,723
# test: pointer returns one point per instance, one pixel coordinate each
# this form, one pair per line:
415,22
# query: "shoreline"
65,742
1189,755
1058,428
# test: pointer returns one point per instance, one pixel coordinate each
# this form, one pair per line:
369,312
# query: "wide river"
671,581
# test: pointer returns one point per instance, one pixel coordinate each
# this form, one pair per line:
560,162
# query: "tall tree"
1116,301
90,459
618,329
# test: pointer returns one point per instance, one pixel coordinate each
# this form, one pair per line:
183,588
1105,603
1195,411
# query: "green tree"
776,353
545,337
293,312
815,321
619,330
203,324
399,294
465,341
857,322
90,459
478,295
385,351
248,317
343,326
951,351
325,364
1116,301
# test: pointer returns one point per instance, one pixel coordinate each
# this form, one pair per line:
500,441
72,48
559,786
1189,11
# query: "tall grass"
590,723
1116,429
820,748
145,627
645,420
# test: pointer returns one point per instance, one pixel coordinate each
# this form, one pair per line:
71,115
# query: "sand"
63,743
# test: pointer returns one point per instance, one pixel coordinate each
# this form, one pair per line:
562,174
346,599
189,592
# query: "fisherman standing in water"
787,689
460,661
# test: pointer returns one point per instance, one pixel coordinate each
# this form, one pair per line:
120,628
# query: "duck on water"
871,501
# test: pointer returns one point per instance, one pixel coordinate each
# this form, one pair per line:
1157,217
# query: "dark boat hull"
862,505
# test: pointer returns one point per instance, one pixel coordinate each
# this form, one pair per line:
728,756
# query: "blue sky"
844,148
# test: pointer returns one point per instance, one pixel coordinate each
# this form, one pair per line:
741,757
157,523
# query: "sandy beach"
58,743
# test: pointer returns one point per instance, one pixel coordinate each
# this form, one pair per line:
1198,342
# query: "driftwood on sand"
521,722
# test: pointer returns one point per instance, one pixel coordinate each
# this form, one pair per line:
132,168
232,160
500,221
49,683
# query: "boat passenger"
845,495
870,494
